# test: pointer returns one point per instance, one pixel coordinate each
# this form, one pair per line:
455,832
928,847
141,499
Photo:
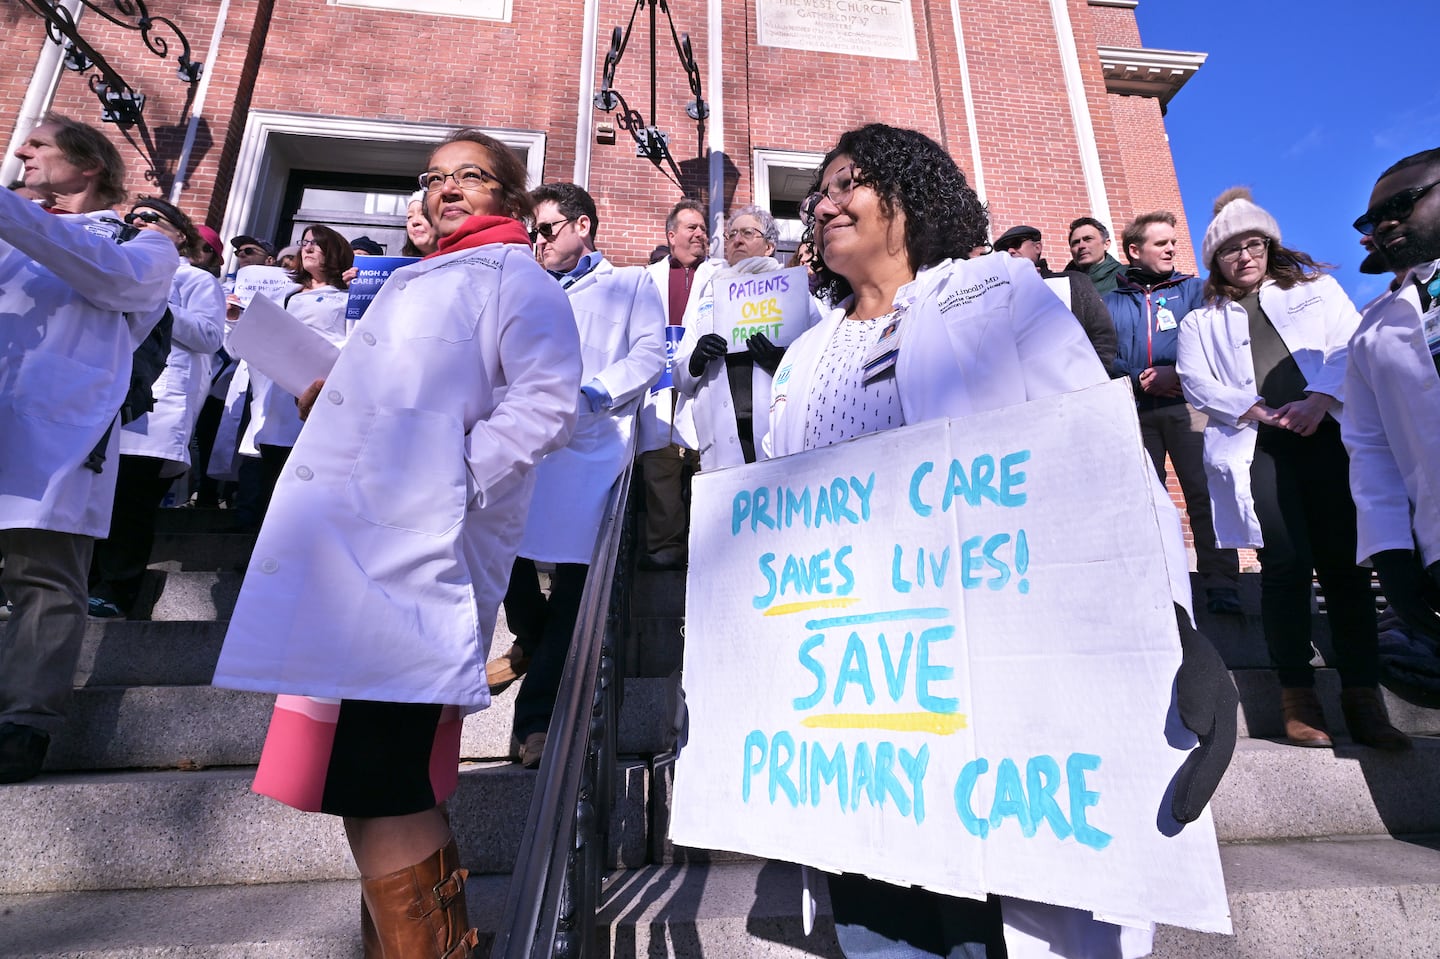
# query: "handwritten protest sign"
371,274
943,656
776,304
271,282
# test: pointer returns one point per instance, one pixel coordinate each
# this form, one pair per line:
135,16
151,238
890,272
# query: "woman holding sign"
729,387
376,578
318,302
919,333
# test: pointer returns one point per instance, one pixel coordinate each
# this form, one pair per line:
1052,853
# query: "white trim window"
781,181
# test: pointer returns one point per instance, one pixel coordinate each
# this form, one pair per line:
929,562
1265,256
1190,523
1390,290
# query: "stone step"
202,551
1274,791
191,519
163,727
198,595
1286,900
134,830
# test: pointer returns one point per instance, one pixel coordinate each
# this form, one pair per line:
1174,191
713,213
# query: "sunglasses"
144,216
548,230
251,251
1397,207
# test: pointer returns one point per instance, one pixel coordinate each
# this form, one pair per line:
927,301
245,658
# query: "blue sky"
1305,103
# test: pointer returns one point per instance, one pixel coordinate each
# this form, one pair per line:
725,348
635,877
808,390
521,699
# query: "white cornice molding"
1140,72
1127,4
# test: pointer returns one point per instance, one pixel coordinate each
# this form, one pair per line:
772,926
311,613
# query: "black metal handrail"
555,888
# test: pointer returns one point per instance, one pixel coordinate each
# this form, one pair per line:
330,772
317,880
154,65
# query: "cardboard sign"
271,282
281,347
776,304
372,273
673,336
943,656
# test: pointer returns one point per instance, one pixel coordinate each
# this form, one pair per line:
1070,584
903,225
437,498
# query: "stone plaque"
874,28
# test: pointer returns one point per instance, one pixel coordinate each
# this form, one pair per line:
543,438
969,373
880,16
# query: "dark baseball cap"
244,240
1016,235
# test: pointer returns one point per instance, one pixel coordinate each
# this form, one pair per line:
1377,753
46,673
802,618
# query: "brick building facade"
1052,107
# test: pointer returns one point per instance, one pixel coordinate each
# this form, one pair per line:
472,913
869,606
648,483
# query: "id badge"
880,360
1430,324
1164,319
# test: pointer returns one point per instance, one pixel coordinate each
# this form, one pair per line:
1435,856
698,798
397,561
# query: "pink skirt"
351,757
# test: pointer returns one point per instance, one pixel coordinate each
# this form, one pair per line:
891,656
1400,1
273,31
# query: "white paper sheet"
280,346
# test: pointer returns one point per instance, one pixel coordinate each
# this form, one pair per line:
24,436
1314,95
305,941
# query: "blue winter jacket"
1139,313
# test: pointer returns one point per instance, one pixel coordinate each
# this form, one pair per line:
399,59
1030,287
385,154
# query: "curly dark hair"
944,218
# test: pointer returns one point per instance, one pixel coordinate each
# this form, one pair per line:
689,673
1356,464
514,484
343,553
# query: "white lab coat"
388,544
656,413
979,335
1217,373
707,397
274,417
197,304
1392,428
74,305
621,322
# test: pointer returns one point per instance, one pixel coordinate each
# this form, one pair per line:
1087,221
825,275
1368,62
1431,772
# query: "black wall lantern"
120,103
651,142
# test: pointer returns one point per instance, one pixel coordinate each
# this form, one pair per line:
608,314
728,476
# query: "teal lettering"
847,577
886,782
780,767
914,767
828,769
1042,780
767,569
970,563
1002,571
810,663
864,776
970,774
1082,798
798,504
925,673
753,742
739,509
1010,478
916,503
1009,799
895,676
863,492
897,578
854,668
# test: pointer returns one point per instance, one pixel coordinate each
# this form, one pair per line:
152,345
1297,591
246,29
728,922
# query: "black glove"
711,346
1414,595
766,355
1207,701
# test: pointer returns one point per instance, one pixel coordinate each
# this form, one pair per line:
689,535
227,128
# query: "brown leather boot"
419,912
1304,719
1369,722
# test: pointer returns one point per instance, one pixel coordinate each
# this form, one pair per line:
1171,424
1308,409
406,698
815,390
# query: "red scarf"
481,231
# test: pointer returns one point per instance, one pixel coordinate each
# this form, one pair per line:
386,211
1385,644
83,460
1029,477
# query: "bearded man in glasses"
78,293
1392,396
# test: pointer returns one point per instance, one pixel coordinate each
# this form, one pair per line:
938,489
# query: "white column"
977,170
182,167
38,97
585,106
1080,112
715,124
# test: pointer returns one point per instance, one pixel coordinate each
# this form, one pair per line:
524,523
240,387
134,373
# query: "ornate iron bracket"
120,103
651,142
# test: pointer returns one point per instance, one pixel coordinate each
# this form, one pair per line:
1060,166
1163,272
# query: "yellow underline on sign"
941,724
839,602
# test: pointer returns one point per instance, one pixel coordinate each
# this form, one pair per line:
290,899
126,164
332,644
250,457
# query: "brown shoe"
419,912
1304,720
1368,721
530,752
501,671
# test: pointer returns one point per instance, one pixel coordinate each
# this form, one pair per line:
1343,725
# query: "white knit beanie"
1235,213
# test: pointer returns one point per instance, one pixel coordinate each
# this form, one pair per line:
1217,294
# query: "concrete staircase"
144,840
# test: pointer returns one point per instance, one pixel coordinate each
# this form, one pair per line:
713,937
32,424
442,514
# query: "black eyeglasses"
1397,207
839,189
548,230
251,251
467,177
144,216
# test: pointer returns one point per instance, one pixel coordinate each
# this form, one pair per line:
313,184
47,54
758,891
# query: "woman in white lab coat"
155,447
319,302
1265,360
376,577
919,333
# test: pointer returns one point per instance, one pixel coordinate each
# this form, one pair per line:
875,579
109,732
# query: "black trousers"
119,561
1301,486
543,628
